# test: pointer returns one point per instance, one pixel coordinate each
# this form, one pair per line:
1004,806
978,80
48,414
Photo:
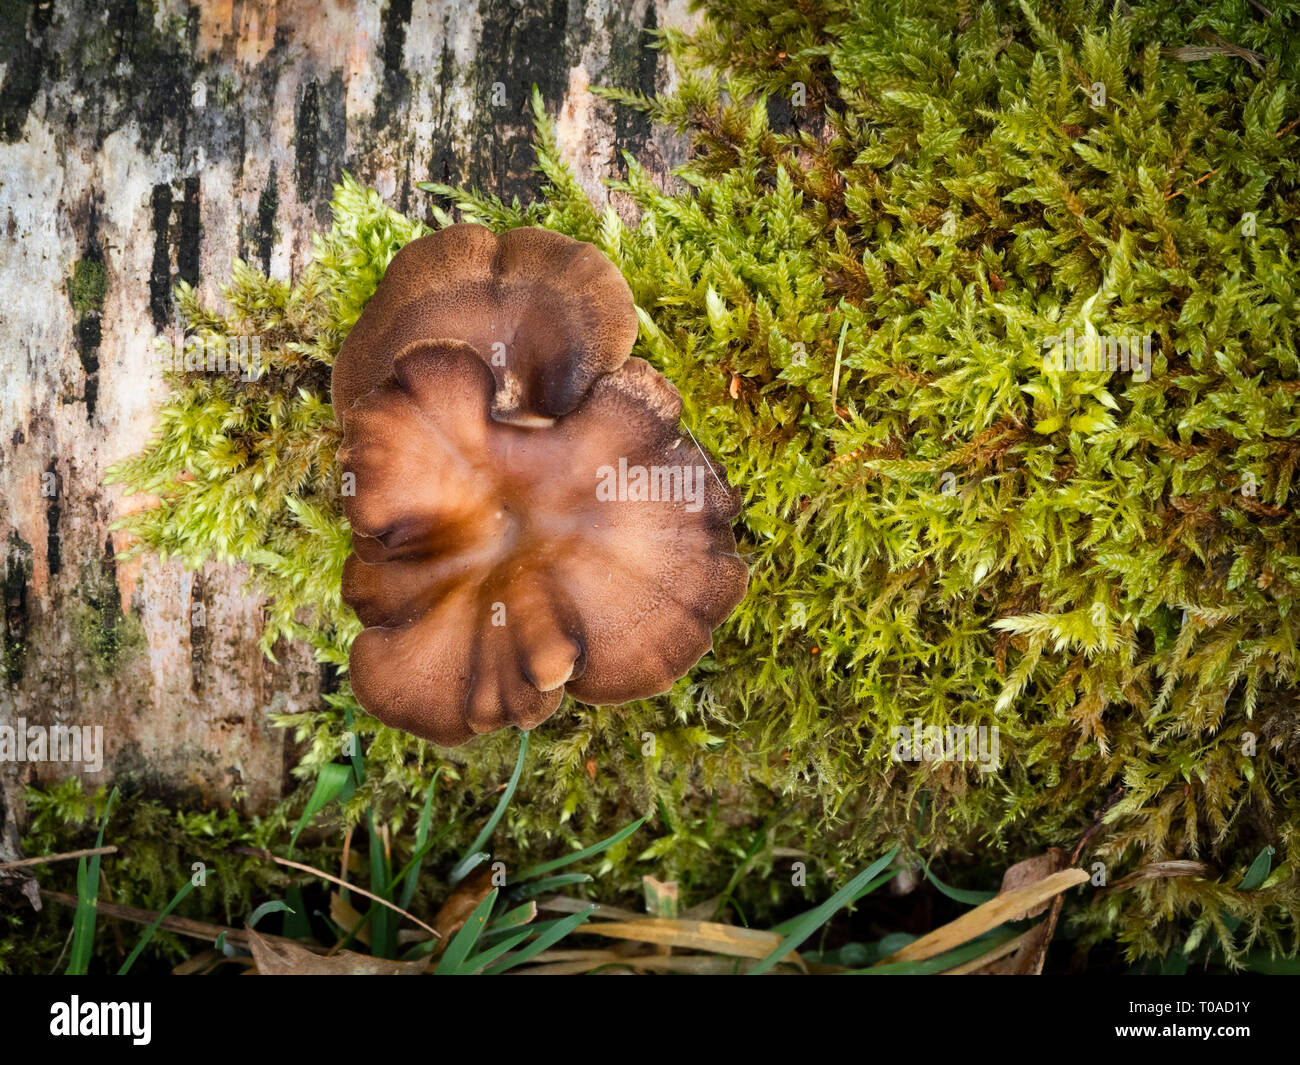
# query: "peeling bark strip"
145,142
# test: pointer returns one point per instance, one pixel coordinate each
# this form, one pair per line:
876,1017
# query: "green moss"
89,286
109,636
855,304
157,852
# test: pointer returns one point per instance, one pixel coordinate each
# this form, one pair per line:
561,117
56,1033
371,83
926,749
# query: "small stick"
341,883
41,859
1054,915
181,926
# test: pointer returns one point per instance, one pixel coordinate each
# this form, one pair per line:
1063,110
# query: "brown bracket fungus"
526,516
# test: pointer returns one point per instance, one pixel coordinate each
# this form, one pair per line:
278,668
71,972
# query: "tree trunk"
143,144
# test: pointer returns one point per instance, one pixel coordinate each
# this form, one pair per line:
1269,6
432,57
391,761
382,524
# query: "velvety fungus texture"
527,518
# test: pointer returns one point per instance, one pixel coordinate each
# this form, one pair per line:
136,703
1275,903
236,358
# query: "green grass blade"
786,927
83,920
970,898
421,837
1255,875
1258,871
265,910
513,918
549,883
149,932
577,856
297,925
494,935
806,924
547,939
480,841
383,926
486,957
467,865
416,858
329,785
452,962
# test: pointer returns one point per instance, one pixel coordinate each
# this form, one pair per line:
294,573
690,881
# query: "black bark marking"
22,49
633,64
160,274
160,69
53,511
395,94
87,295
320,142
523,44
306,144
198,633
188,251
18,575
267,205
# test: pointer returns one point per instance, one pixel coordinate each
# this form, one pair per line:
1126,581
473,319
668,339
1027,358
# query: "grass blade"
480,841
421,837
577,856
331,782
383,928
275,906
549,883
520,915
806,924
83,921
545,941
149,932
488,956
1258,871
970,898
452,962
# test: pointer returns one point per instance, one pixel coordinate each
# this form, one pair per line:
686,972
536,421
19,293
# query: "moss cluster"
88,286
894,212
109,636
158,851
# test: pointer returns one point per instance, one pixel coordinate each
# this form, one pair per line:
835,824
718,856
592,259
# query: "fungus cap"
507,548
547,313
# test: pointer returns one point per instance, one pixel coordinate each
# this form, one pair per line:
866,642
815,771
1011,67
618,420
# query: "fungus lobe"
526,517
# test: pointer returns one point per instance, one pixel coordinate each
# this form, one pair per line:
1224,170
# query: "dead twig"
181,926
1054,914
254,852
42,859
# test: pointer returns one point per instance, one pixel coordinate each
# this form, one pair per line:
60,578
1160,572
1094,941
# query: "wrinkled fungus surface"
527,518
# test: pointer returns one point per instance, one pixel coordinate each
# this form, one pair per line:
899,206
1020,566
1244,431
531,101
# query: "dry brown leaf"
694,935
348,918
563,968
1018,957
199,961
986,916
207,962
568,962
462,902
289,959
1031,871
